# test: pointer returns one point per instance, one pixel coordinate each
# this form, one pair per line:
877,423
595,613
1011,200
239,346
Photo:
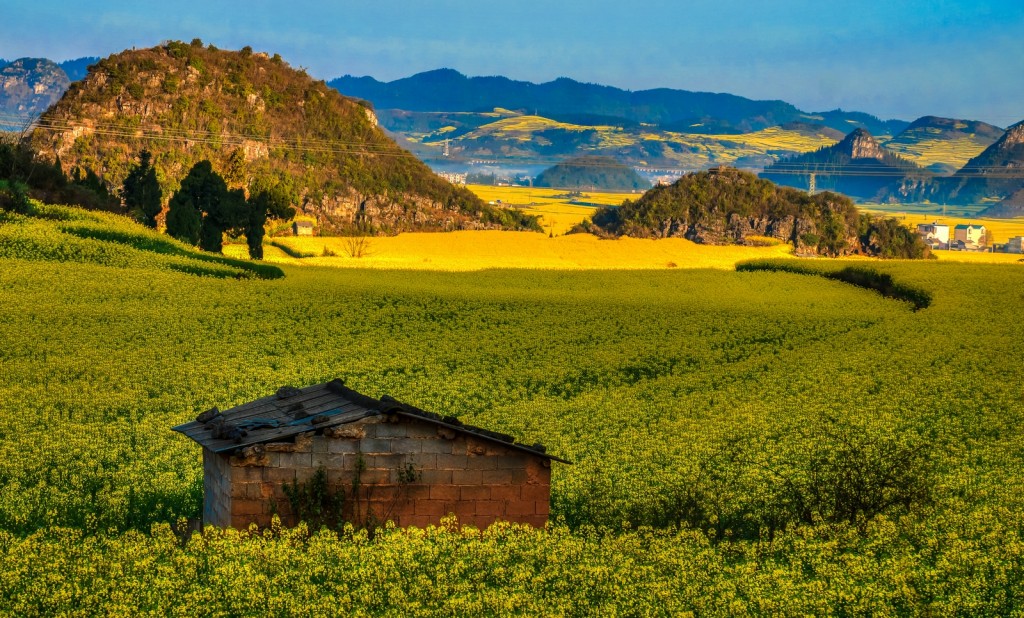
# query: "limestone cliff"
262,124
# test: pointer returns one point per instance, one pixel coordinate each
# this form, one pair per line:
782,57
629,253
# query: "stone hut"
302,228
371,460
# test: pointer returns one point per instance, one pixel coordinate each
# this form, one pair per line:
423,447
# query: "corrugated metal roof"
291,411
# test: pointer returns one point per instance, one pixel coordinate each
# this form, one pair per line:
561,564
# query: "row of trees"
204,208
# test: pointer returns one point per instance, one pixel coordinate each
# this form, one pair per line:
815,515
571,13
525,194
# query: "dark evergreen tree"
141,191
199,197
264,204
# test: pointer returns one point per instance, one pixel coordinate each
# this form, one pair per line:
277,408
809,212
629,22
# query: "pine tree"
141,191
199,198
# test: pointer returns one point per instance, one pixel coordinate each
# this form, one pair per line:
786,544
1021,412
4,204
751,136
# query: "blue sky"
892,58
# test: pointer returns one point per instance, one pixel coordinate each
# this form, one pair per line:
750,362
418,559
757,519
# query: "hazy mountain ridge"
262,124
659,128
446,90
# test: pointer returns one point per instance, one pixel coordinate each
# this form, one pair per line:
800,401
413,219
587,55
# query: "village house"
970,236
379,460
302,228
1014,245
934,235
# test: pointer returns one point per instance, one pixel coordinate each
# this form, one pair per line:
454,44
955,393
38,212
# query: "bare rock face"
861,145
1014,135
28,87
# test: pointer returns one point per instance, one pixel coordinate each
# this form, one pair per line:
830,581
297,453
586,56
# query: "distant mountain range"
565,100
444,116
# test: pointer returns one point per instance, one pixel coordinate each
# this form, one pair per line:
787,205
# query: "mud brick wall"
409,471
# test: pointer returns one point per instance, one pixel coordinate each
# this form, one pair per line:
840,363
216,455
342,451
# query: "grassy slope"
655,384
689,149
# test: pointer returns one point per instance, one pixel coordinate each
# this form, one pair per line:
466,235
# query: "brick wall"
412,472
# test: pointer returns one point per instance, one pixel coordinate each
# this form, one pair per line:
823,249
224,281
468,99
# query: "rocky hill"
943,144
262,124
996,173
591,173
27,87
859,167
726,205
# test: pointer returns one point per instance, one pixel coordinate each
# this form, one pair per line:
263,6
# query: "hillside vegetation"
726,205
743,442
66,235
264,126
592,173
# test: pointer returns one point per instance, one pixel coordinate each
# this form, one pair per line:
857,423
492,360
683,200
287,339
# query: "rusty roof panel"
291,411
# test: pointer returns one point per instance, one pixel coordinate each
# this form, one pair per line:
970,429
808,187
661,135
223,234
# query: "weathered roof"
304,224
291,411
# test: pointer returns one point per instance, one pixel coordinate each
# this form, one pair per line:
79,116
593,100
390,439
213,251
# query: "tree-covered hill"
263,125
591,173
726,205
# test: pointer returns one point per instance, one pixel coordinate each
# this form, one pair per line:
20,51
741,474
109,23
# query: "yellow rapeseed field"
558,214
480,250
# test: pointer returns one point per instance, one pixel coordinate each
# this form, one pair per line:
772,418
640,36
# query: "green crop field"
743,443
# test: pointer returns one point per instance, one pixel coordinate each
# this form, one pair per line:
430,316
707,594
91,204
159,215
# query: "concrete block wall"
409,471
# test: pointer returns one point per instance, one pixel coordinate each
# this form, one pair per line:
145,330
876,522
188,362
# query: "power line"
387,149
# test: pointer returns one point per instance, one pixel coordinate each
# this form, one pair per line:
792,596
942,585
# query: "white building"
1014,245
934,234
972,236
